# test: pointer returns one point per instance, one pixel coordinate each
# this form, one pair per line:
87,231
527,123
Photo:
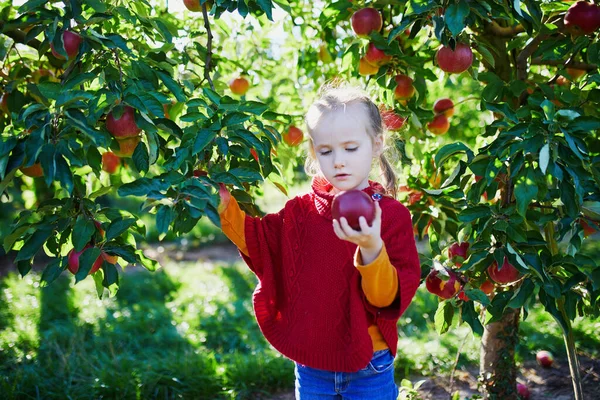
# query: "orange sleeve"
232,223
379,279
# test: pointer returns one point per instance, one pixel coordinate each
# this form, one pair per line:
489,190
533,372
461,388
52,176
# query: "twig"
208,47
525,54
456,363
505,31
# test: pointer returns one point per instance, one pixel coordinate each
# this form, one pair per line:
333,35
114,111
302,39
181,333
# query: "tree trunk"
498,372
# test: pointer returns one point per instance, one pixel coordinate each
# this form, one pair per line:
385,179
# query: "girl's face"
343,148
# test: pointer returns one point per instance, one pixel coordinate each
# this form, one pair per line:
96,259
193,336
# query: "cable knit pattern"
309,302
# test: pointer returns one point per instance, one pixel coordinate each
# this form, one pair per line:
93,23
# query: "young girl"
329,297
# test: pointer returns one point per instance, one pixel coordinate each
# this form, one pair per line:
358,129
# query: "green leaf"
449,150
473,213
173,86
455,16
469,315
82,232
33,244
141,158
246,174
86,261
544,157
52,271
443,317
148,263
584,124
478,295
203,138
140,187
548,108
524,292
118,226
526,190
235,118
164,217
267,7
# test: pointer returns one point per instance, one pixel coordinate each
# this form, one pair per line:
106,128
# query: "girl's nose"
338,161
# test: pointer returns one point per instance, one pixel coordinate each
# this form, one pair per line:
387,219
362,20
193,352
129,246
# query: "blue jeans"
374,382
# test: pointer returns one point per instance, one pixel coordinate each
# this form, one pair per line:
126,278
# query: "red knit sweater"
309,303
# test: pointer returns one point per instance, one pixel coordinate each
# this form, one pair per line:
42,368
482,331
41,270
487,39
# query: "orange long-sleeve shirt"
379,278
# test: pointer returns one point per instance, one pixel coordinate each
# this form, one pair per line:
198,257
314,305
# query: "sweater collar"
322,196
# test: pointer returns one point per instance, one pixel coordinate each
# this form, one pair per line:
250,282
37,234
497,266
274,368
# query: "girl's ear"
377,145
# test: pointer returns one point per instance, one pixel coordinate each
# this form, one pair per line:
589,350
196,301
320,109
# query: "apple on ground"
127,146
110,162
439,125
365,68
392,121
544,358
122,126
351,205
446,289
376,57
71,42
33,171
523,391
404,87
444,106
239,85
293,136
582,18
507,274
454,61
458,252
365,21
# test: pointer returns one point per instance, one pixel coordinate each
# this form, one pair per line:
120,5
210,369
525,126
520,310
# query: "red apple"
110,162
391,120
522,391
365,21
463,296
366,69
127,146
71,42
458,252
34,171
194,5
446,289
504,275
414,197
454,61
74,261
487,287
199,172
353,204
254,154
239,85
444,106
404,87
4,103
376,57
544,358
293,136
589,228
582,18
111,259
439,125
124,126
99,228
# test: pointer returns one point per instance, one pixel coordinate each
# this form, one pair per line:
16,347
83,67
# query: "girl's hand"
368,238
225,197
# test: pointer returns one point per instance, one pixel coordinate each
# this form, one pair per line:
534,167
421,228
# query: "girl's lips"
342,176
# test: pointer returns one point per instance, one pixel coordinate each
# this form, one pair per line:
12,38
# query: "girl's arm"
379,278
232,219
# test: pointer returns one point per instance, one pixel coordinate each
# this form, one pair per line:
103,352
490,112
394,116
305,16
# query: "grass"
188,332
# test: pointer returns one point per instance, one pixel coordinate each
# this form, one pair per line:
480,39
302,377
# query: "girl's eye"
325,152
352,149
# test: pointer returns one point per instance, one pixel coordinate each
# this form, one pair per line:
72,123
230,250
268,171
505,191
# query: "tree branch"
576,65
525,54
505,31
19,36
207,63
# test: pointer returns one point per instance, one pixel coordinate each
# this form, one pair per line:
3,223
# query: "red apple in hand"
365,21
522,391
544,358
504,275
404,87
71,43
459,252
123,126
454,61
446,289
439,125
444,106
353,204
582,18
74,261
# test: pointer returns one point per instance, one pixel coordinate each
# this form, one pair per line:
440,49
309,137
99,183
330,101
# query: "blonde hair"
333,98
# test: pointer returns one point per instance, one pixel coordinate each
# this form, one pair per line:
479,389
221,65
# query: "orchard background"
119,120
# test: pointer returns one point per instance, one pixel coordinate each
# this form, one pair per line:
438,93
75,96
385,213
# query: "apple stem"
208,47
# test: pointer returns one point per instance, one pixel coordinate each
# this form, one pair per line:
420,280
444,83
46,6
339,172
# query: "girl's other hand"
225,197
368,238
